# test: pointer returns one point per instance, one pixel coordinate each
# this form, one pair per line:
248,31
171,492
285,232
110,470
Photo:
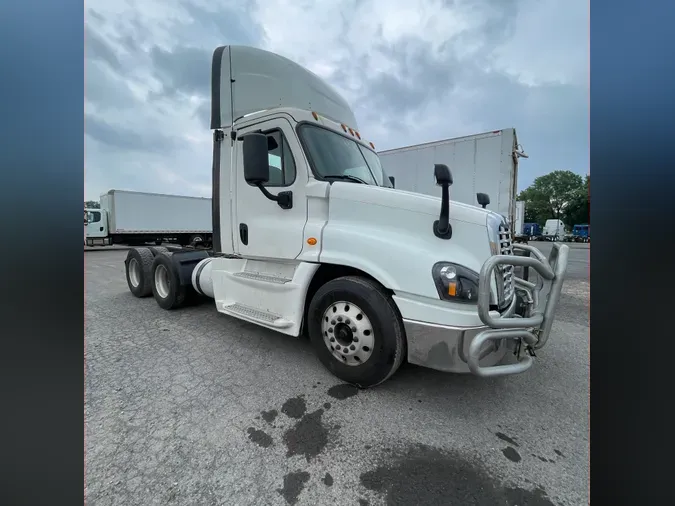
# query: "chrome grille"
505,272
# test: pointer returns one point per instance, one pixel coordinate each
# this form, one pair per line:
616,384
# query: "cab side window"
282,165
93,216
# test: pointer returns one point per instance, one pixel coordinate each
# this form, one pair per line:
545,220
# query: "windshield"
334,155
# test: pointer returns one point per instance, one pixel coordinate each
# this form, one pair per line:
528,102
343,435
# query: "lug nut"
352,347
332,339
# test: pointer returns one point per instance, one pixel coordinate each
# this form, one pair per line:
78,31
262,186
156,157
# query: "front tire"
356,331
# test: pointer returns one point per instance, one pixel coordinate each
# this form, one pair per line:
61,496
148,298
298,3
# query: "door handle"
243,233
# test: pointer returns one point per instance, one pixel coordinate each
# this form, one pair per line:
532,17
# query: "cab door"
97,224
262,229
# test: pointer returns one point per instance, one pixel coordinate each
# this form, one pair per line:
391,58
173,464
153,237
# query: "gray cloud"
100,89
97,49
185,69
447,91
232,27
118,137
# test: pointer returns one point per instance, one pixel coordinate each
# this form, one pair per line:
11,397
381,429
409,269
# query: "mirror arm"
442,227
284,199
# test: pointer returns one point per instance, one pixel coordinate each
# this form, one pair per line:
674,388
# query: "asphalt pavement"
192,407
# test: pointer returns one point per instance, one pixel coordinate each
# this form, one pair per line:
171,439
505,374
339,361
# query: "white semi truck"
485,163
134,218
311,238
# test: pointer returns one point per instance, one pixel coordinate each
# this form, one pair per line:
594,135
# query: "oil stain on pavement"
308,437
435,477
343,391
412,475
294,483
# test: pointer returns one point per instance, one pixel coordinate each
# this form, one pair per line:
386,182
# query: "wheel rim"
162,281
348,333
134,272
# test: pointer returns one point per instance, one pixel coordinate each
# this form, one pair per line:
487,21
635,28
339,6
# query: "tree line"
562,194
92,204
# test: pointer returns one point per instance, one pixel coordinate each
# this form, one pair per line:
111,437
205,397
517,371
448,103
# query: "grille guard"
535,327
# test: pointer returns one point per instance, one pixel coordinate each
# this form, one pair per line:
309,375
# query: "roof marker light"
357,134
316,116
372,145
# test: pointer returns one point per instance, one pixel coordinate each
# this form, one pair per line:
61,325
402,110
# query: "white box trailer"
128,217
482,163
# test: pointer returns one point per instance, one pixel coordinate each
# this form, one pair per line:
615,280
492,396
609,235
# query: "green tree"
549,196
92,204
579,210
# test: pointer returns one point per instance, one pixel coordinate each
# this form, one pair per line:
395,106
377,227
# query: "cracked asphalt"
191,407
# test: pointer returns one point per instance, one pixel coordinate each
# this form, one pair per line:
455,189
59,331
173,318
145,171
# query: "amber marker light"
452,289
311,241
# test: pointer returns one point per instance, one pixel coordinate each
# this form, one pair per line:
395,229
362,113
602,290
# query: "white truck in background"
310,237
554,230
135,218
482,163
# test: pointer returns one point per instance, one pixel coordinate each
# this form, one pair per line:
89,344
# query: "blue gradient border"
41,195
633,200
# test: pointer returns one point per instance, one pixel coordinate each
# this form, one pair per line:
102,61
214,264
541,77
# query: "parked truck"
554,230
484,163
518,232
532,230
135,218
310,238
581,233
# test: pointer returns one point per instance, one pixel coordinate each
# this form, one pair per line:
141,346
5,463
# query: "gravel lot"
194,407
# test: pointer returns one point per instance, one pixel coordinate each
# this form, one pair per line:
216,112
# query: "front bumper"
524,327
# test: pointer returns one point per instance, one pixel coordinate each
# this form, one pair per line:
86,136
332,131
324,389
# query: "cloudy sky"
413,70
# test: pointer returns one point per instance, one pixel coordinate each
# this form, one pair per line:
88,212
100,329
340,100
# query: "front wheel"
356,331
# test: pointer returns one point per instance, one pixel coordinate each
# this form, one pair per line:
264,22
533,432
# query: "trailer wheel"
356,331
138,266
196,240
166,287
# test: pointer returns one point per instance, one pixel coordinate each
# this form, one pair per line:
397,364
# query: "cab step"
256,315
265,278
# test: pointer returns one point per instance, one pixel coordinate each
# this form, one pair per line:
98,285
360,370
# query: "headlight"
493,223
455,283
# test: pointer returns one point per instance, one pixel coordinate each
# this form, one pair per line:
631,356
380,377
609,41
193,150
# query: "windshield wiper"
346,177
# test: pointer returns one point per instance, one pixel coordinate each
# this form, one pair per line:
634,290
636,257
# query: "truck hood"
388,234
413,202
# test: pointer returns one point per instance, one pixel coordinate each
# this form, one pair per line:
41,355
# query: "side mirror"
483,199
442,174
256,164
392,179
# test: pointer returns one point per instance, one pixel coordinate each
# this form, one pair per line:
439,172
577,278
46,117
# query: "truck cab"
311,237
96,224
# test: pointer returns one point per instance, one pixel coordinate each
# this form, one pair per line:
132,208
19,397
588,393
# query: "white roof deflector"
246,79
